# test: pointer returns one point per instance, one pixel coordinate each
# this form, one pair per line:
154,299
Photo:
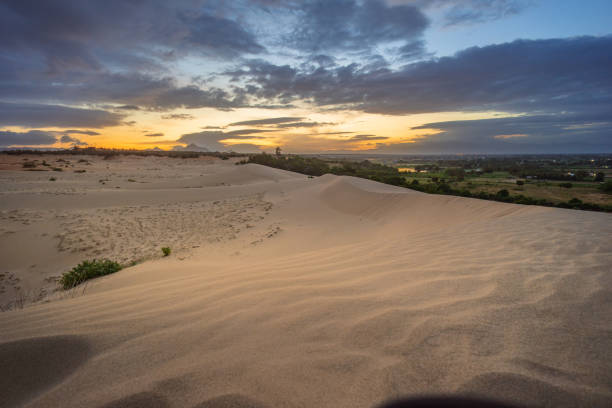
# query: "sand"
289,291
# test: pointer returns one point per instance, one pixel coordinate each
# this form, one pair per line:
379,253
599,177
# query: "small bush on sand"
88,270
166,251
52,179
606,187
28,165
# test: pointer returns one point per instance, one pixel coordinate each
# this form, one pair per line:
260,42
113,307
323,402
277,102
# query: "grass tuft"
88,270
166,251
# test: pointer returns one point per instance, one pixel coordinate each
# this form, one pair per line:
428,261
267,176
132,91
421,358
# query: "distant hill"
191,148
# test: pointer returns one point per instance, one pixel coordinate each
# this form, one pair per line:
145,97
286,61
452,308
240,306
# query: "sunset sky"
375,76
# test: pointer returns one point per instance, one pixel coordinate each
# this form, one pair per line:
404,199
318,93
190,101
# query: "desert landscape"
284,290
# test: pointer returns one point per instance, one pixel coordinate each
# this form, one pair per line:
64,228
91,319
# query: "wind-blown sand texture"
286,291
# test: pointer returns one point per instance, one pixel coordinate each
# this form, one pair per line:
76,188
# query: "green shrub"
88,270
52,179
606,187
503,193
565,185
166,251
519,182
28,165
575,202
80,171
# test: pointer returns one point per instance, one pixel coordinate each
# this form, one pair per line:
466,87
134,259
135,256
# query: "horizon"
369,77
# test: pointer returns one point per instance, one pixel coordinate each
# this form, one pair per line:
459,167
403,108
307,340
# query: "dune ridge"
354,293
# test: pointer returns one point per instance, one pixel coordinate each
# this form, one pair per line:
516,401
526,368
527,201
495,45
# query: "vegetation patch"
166,251
88,270
438,181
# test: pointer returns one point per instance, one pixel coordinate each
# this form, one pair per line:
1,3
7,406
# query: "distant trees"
457,173
313,166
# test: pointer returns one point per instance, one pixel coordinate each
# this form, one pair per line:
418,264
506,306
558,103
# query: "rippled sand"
286,291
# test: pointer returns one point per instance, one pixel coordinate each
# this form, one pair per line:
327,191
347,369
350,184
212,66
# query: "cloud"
513,136
30,138
302,124
557,133
358,138
118,52
211,141
154,134
268,121
354,25
244,132
136,89
281,123
179,116
80,132
86,35
72,140
35,115
523,76
462,12
480,11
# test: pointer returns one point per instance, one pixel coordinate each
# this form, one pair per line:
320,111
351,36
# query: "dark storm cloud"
30,138
35,115
522,76
354,25
527,134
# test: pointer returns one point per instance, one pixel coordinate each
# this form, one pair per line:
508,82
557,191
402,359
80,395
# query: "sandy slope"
327,292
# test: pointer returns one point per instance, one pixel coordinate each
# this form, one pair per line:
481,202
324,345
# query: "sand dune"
297,292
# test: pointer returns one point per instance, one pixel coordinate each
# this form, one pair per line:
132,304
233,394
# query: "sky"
320,76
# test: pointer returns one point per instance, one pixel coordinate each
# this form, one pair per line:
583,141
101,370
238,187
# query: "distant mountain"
34,149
